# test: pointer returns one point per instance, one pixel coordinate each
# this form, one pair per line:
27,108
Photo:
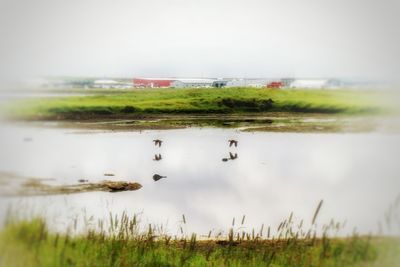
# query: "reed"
124,241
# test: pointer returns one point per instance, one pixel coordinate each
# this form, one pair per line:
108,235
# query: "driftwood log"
37,187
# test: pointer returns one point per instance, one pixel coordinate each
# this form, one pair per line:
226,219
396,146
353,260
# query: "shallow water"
357,175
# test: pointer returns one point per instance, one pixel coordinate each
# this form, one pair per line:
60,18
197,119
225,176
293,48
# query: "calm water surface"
357,175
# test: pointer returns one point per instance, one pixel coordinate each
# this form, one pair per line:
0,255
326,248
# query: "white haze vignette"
208,38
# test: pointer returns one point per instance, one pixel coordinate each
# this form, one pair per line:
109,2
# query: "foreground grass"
199,101
30,243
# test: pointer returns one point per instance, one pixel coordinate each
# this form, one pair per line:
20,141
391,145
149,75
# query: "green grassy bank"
30,243
123,242
199,101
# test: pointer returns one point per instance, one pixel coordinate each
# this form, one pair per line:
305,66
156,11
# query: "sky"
355,39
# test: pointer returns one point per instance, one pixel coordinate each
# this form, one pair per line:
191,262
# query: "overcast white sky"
216,38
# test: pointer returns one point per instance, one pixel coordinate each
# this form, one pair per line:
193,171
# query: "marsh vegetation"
270,162
124,241
139,102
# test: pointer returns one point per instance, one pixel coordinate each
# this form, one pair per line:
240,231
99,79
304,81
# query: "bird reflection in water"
157,157
157,177
231,157
157,142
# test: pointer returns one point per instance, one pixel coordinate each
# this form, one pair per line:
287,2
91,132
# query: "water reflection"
349,171
231,157
157,177
157,157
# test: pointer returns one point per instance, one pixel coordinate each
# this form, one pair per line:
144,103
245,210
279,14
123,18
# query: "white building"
236,83
246,83
195,83
112,84
311,83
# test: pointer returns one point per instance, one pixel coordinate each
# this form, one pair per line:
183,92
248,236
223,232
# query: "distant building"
246,83
287,81
311,83
104,84
100,83
152,82
236,83
195,83
227,82
219,83
275,84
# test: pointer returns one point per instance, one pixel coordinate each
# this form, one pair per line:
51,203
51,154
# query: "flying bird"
233,142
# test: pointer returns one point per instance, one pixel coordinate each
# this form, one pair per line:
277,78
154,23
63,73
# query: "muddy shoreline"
260,122
15,185
300,123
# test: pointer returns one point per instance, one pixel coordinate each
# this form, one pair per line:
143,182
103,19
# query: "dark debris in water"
12,184
119,186
37,187
157,177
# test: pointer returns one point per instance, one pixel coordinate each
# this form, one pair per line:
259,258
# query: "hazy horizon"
309,39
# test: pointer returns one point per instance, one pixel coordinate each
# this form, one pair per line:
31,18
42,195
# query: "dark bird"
233,142
157,157
83,181
157,142
157,177
233,156
225,159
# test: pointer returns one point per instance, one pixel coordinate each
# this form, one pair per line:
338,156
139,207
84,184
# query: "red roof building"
149,82
275,85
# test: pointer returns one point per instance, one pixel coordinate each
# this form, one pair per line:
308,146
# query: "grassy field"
30,243
199,101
